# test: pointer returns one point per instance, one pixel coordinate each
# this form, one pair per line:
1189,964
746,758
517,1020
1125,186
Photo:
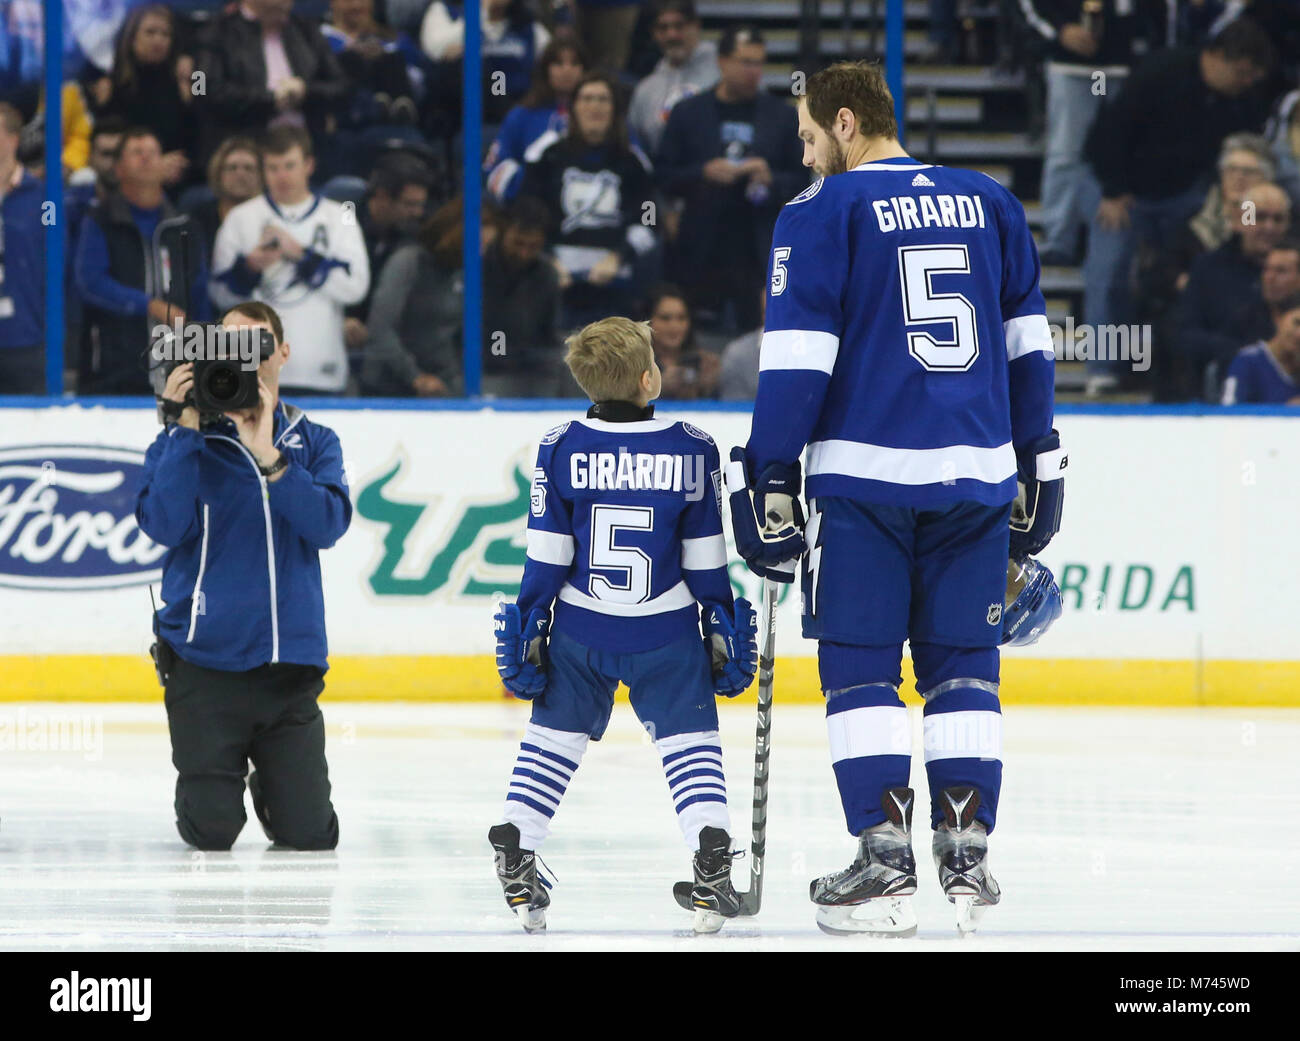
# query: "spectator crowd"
308,156
1170,173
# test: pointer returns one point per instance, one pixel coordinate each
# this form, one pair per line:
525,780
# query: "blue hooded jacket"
241,578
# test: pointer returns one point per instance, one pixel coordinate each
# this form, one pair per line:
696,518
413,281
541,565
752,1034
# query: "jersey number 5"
917,265
631,566
779,256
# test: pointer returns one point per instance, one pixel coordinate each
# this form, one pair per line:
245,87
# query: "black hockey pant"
221,720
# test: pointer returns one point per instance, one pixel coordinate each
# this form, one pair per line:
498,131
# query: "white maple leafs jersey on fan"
625,532
309,295
906,344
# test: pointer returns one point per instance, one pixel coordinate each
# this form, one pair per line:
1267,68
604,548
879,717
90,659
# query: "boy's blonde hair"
608,357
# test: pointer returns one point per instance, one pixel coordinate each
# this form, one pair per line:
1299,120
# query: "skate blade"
969,914
707,921
887,917
533,919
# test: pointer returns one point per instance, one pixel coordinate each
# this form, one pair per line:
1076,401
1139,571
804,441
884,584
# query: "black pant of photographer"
218,722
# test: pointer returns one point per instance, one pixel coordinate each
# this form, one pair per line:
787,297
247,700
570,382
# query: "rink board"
1048,682
1177,557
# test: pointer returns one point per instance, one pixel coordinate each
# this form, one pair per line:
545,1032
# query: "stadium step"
831,11
784,43
1071,376
1061,280
965,111
1002,174
971,79
964,145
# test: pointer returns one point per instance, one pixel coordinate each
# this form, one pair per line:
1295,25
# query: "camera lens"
223,383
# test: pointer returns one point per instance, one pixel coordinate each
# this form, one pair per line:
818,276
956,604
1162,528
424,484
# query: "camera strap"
164,658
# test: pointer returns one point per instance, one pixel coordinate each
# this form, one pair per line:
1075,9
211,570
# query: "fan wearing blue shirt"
1268,372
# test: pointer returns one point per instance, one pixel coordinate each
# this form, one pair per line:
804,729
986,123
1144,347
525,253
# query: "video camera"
225,360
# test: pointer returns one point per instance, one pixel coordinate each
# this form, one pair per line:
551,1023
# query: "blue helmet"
1033,602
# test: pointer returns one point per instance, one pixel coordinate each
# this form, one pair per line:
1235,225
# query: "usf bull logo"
482,551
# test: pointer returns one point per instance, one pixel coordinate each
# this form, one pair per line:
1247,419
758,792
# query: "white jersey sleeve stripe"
798,349
912,465
549,547
677,597
704,554
1027,334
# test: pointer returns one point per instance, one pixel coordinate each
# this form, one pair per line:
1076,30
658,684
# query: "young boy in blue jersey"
906,349
625,540
1268,372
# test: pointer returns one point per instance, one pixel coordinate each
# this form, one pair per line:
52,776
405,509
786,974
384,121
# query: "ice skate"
712,896
525,887
961,853
873,895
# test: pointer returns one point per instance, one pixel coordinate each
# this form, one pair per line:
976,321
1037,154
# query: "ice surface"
1117,830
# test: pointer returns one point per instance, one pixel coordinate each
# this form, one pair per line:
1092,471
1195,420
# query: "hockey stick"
752,900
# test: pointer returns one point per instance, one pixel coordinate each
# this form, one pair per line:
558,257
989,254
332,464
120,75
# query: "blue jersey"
518,142
625,532
906,345
1256,378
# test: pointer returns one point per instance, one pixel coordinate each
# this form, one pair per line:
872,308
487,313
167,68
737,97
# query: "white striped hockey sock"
693,767
545,765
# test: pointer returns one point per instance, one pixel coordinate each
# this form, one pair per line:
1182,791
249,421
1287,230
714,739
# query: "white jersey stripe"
675,599
549,547
704,554
798,349
912,466
1026,335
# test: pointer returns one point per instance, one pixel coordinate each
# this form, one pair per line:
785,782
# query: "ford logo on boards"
67,519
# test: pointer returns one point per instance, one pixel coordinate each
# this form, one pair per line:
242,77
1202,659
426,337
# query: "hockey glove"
1036,512
521,650
730,637
766,516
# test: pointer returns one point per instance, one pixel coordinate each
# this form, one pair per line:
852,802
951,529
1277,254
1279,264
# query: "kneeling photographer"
245,492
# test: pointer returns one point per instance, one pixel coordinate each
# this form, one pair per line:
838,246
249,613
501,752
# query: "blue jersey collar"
315,201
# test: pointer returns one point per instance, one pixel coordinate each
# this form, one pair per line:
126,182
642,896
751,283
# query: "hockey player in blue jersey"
625,539
907,356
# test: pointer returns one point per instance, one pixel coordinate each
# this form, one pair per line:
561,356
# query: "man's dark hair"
738,35
392,173
131,134
527,213
540,94
1244,39
279,140
1287,245
108,126
685,8
858,86
259,312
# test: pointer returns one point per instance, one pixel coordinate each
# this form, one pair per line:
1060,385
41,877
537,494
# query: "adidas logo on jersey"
921,181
